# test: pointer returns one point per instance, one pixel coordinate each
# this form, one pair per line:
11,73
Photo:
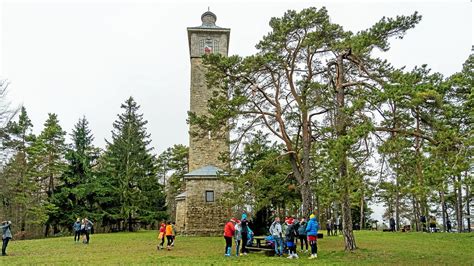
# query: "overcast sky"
85,58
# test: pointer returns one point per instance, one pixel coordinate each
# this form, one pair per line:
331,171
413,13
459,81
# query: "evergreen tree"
75,196
47,166
132,168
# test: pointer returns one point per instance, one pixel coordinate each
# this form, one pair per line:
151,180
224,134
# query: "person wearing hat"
244,223
312,233
6,235
290,235
229,231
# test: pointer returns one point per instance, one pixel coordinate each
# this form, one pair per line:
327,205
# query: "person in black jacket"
244,223
290,235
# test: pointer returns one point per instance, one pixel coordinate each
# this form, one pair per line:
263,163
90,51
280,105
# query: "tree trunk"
397,203
362,203
415,214
443,208
459,204
341,131
468,205
130,227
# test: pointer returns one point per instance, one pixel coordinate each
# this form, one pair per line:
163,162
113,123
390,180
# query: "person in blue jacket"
6,235
77,230
312,233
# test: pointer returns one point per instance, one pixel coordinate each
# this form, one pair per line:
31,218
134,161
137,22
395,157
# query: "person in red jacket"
229,230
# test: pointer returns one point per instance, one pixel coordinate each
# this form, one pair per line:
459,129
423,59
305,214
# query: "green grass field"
140,248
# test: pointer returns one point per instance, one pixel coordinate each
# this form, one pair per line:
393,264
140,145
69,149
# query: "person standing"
173,225
276,232
229,231
77,230
237,236
328,226
339,224
392,224
448,225
88,228
290,235
245,232
302,234
6,235
169,235
312,233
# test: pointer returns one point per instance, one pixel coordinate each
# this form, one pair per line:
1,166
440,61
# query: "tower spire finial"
208,8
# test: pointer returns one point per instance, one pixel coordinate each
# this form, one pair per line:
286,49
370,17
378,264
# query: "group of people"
82,228
293,230
167,231
241,232
333,225
283,237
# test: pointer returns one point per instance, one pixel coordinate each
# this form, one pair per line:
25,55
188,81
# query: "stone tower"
198,210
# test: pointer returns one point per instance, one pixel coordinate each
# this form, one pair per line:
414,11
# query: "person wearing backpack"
302,234
312,233
276,232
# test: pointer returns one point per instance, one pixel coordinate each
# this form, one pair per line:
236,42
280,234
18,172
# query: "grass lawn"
140,248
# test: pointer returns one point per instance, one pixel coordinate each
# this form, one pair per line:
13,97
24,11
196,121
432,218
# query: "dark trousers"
77,235
162,241
228,243
170,240
87,232
244,243
4,246
314,247
304,239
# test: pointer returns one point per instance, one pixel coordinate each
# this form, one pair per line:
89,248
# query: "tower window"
209,196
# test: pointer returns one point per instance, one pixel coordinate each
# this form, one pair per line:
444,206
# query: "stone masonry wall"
180,216
204,149
205,218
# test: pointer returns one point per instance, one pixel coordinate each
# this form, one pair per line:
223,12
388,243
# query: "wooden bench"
260,244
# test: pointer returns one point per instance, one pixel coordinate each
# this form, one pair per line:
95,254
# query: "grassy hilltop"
140,248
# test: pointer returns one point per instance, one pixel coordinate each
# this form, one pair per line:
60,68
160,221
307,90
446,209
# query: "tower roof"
208,170
208,20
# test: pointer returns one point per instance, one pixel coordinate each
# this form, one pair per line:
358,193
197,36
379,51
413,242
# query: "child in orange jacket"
169,235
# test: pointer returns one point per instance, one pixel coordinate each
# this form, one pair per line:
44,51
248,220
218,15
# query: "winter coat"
76,226
312,227
229,229
302,229
275,229
238,232
290,233
244,224
7,233
169,230
89,225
